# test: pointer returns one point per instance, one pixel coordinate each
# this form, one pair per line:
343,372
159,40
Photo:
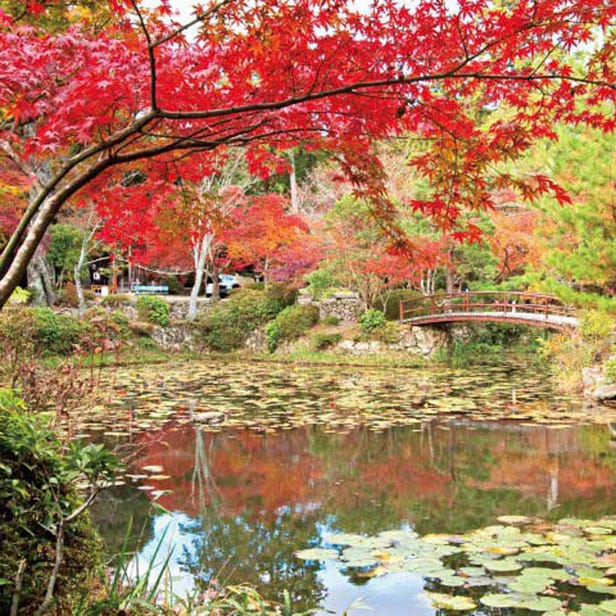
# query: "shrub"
325,340
290,324
141,329
89,295
118,299
20,296
153,309
38,488
56,333
320,281
228,324
175,288
371,319
279,296
610,370
330,321
595,325
389,332
391,307
67,295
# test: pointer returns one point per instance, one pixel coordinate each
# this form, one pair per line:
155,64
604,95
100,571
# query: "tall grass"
130,593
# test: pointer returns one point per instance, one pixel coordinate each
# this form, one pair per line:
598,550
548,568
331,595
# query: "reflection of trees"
232,548
457,477
114,510
258,498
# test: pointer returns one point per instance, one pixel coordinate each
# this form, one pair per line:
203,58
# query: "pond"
339,459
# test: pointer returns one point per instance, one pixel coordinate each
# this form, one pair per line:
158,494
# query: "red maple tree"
85,105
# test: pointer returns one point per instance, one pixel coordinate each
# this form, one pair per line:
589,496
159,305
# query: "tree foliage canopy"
81,104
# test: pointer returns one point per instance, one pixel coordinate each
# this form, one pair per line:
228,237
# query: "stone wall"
344,306
178,306
418,340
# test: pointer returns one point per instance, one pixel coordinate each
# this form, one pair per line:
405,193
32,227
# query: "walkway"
535,309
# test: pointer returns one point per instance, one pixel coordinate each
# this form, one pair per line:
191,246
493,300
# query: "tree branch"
198,18
151,56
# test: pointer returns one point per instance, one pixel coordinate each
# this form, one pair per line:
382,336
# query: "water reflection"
241,503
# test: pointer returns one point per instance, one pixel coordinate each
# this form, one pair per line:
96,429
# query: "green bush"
279,296
38,490
330,321
610,370
391,307
20,296
153,309
175,288
389,332
57,333
320,281
596,324
371,319
325,340
228,324
290,324
117,299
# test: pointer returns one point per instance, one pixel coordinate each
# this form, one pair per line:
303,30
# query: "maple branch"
534,77
62,174
151,56
198,18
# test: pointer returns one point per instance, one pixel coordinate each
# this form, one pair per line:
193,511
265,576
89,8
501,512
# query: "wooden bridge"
533,309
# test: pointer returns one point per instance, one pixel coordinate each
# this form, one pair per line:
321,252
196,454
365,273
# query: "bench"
150,289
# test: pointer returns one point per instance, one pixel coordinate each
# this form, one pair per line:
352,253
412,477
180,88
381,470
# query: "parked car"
226,283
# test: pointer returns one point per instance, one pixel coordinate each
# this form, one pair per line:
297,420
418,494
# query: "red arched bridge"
534,309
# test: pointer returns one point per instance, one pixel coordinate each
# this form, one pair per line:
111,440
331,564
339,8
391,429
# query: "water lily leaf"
503,566
538,604
438,538
472,571
598,530
528,585
477,582
450,602
601,589
586,581
592,610
514,519
503,550
399,536
372,573
317,554
357,541
497,600
609,606
452,581
153,468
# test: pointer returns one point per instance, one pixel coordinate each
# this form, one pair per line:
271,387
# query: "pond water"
303,454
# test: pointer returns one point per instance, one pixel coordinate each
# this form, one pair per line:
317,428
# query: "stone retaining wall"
346,307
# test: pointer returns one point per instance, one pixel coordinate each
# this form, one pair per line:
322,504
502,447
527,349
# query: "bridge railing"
484,302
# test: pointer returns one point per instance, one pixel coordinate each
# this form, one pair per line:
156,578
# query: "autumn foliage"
81,105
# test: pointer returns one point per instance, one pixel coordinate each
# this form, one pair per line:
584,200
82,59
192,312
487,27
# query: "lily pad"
451,602
317,554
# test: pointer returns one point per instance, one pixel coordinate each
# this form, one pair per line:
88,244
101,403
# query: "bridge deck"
524,318
538,310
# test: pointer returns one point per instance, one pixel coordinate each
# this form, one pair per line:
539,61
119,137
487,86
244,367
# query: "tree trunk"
200,252
14,264
215,281
40,279
81,302
293,184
